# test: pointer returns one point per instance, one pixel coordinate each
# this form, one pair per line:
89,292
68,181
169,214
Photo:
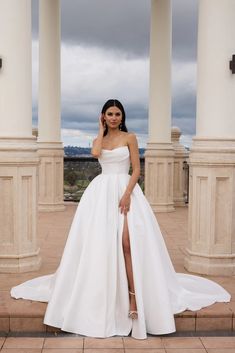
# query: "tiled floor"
80,344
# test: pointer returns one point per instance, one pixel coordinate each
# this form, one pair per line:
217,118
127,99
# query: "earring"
120,126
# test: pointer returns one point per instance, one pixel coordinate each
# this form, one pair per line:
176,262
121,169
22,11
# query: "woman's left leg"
128,263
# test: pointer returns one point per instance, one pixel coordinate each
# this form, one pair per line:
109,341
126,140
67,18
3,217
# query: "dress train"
88,294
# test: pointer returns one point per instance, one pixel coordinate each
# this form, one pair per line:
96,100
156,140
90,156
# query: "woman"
113,134
115,275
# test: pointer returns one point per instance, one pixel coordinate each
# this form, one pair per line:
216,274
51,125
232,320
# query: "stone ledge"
27,316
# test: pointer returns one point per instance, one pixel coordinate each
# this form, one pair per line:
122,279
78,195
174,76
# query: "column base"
221,265
180,203
159,163
162,208
51,176
211,246
20,263
19,251
51,207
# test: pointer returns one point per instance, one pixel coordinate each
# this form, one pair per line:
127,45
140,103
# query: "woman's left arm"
135,162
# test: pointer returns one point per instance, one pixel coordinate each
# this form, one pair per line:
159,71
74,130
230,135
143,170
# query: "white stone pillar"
180,158
50,148
211,248
159,152
19,251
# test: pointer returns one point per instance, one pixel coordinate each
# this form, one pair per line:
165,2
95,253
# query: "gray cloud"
184,96
184,106
123,25
136,120
109,32
186,125
119,25
184,29
35,17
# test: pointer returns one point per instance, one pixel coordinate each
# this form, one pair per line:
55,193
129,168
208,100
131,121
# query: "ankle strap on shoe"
132,293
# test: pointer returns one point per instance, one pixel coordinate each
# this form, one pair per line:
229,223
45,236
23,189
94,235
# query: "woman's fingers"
124,209
124,206
101,119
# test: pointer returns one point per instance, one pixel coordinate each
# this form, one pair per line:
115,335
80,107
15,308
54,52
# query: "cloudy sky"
105,54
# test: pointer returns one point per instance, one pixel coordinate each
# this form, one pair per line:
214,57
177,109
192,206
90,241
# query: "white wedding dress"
88,294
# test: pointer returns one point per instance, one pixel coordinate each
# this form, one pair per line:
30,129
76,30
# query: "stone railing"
181,169
79,171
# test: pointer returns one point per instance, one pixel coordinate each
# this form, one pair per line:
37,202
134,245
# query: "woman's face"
113,117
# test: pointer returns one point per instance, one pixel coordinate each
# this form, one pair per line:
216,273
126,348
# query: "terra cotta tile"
23,342
27,325
150,342
111,342
213,324
182,342
218,342
63,342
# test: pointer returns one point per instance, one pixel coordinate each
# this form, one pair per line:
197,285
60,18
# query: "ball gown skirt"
88,294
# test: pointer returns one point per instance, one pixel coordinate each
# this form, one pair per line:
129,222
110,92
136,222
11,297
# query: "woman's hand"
101,124
124,204
97,142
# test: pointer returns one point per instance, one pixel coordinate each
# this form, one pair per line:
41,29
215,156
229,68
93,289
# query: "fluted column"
19,251
50,148
211,248
159,152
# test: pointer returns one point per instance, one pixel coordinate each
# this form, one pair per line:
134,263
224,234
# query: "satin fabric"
88,294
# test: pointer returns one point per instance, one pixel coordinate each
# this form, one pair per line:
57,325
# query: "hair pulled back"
115,103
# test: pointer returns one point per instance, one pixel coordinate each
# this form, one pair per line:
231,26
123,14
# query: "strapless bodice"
116,161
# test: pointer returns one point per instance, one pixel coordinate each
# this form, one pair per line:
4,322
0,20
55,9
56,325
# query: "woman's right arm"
97,142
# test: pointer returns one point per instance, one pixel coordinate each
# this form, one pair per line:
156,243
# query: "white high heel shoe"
133,314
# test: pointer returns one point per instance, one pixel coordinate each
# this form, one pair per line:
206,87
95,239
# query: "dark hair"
115,103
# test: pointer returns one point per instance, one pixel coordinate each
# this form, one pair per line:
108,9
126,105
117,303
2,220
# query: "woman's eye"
118,114
110,114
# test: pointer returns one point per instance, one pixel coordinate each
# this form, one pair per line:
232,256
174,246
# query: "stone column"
159,152
211,248
50,148
180,157
19,251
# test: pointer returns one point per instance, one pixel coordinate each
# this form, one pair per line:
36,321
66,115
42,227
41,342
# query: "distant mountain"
74,151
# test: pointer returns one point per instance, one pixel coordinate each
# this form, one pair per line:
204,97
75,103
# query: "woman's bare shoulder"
127,137
131,137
